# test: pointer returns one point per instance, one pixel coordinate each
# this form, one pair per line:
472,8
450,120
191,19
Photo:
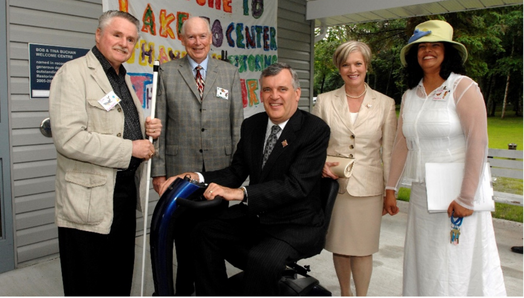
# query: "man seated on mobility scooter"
280,216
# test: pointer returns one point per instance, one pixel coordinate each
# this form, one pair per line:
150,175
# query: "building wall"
72,23
53,22
296,44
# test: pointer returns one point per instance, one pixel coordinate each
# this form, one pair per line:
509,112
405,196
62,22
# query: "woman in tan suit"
363,125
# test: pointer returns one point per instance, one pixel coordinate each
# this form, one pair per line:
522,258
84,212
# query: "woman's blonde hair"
342,52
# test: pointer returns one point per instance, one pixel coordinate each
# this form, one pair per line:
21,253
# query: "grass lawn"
501,132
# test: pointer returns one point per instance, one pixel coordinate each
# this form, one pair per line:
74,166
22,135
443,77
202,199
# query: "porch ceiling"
339,12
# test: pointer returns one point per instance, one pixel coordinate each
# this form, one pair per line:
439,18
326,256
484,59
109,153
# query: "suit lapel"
341,108
366,108
287,138
187,74
97,73
256,142
211,76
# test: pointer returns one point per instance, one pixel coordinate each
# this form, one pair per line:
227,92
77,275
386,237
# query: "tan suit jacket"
369,140
90,146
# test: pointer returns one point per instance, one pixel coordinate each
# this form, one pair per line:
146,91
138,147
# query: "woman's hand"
458,210
390,203
326,171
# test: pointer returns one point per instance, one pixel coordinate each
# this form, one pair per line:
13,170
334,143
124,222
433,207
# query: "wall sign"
44,62
244,33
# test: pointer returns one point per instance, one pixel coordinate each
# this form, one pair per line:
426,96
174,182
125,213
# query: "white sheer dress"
447,125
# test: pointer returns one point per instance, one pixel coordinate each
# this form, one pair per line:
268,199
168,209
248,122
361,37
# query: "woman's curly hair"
414,73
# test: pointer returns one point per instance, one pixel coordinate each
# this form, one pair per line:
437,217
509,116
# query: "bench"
506,164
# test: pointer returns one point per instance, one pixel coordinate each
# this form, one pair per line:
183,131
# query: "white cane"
146,207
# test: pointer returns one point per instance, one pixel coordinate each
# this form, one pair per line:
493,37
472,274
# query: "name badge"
441,93
222,93
109,101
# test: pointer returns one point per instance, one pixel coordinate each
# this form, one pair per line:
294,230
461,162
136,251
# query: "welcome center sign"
244,31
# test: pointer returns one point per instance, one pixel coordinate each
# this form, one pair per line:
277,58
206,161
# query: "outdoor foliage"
493,38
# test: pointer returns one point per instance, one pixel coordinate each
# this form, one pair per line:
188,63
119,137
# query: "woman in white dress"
442,119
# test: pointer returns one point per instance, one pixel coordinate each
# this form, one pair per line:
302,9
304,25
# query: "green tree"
493,38
326,74
508,61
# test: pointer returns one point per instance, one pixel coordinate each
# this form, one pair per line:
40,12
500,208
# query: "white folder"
443,184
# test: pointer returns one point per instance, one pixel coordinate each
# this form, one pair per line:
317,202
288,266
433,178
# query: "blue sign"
44,62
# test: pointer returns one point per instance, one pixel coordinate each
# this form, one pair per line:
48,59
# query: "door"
7,262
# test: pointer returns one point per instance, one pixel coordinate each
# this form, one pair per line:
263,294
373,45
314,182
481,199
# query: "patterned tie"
270,143
199,81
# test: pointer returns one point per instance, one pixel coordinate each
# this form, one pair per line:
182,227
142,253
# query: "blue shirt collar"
193,64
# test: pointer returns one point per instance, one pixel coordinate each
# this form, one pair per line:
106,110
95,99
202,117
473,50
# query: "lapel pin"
369,106
284,143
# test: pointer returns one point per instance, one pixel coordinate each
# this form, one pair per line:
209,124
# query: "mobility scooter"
184,192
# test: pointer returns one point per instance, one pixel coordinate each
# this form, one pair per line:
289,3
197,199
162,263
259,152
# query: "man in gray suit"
201,129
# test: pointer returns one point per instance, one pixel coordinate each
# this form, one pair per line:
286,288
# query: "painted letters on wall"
244,32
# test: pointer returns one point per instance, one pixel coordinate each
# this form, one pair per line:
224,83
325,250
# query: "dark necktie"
270,143
199,81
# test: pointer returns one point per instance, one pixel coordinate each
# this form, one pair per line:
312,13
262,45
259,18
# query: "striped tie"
199,81
270,143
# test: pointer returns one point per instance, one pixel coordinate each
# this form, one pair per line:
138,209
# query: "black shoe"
517,249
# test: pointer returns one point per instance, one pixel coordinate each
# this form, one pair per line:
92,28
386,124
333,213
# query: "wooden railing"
506,164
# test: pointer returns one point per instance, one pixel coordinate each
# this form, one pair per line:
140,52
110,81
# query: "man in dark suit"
280,215
202,126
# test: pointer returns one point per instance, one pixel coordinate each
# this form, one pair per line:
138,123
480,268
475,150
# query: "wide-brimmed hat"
433,31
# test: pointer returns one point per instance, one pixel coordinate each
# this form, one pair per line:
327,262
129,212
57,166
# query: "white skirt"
435,267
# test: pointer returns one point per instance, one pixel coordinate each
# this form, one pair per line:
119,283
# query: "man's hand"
153,127
143,149
158,182
326,171
166,183
229,194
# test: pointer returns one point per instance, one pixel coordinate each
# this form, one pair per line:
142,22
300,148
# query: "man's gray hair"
107,16
183,30
275,68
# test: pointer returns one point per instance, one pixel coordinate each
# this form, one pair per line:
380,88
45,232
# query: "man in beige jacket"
98,131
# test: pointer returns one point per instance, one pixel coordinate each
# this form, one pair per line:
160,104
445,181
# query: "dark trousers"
186,220
102,265
241,242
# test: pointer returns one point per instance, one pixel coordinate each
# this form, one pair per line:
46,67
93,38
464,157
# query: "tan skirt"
354,229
